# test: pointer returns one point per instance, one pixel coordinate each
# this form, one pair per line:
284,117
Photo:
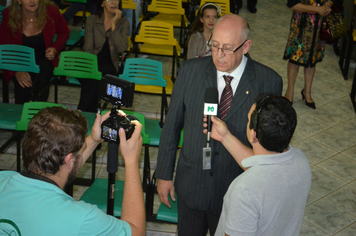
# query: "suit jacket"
196,187
55,25
95,37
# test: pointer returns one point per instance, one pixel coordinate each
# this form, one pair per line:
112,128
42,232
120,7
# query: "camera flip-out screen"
117,91
110,134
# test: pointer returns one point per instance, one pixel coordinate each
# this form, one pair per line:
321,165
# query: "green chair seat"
168,214
9,115
154,130
97,195
90,116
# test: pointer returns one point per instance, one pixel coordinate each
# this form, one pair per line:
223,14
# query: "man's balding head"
230,31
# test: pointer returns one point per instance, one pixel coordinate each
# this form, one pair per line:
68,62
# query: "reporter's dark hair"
274,121
52,134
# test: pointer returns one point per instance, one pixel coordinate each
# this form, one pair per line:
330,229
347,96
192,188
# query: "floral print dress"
304,47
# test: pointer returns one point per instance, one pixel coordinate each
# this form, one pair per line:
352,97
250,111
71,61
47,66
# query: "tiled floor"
327,135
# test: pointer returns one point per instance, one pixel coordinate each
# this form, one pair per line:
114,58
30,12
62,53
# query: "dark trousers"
89,93
197,223
40,84
235,5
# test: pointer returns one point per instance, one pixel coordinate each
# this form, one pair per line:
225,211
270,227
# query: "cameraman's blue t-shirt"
34,207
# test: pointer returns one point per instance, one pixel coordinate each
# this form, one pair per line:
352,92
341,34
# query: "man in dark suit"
200,192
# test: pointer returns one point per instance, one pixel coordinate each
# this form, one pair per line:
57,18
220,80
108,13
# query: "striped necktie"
226,97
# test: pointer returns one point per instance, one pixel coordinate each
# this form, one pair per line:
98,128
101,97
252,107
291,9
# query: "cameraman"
54,149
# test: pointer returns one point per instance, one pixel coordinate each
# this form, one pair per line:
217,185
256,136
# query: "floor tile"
309,229
348,127
351,153
350,231
323,182
335,139
329,116
312,198
328,217
309,126
344,198
314,151
7,162
340,166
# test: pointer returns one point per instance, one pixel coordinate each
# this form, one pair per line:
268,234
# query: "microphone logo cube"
210,109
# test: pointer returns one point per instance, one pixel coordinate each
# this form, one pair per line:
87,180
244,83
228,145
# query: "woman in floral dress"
304,48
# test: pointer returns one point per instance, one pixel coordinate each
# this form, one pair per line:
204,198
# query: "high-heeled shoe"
309,104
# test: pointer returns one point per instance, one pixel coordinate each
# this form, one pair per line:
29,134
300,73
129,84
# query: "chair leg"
146,170
342,54
353,92
348,59
5,90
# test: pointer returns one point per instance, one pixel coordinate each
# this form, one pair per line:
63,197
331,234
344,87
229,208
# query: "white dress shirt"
237,73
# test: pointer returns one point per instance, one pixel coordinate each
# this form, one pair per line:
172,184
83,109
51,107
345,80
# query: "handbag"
332,27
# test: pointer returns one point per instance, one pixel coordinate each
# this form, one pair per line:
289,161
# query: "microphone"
210,107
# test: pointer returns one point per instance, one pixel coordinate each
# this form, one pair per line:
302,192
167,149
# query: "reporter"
54,149
269,198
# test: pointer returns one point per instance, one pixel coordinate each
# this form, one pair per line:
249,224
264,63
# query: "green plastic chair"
29,110
147,76
97,193
9,115
168,214
74,64
16,58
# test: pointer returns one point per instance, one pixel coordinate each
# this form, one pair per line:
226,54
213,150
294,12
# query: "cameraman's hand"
131,149
96,129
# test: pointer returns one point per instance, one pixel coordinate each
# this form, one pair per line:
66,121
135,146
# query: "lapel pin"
247,92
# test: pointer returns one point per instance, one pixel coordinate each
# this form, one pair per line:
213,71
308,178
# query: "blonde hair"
16,15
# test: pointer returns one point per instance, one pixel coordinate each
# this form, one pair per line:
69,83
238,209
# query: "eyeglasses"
227,51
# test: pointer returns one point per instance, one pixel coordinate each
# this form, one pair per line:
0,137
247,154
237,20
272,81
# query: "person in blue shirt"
54,149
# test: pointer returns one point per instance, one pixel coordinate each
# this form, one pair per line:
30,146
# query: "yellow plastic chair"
129,4
224,4
158,39
170,11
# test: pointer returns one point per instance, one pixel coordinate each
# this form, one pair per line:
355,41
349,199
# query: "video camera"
118,92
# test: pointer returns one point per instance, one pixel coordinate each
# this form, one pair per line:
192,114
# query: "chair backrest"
128,4
167,7
147,72
18,58
29,110
144,71
82,65
1,9
156,32
224,4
